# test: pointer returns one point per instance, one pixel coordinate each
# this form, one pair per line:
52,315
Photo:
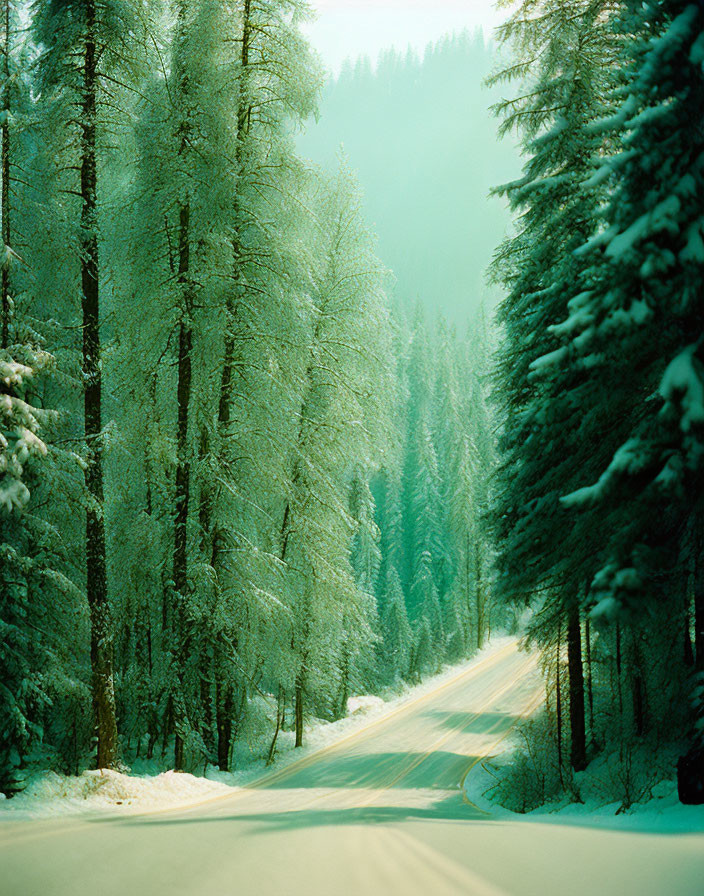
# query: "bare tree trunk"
183,469
5,308
299,709
590,676
578,750
96,573
480,594
558,700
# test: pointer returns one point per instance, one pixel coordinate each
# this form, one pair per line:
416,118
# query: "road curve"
381,812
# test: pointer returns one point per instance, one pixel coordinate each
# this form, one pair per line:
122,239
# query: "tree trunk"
185,345
590,677
210,532
468,590
578,748
280,709
297,473
299,709
224,710
96,573
638,688
558,700
687,646
285,525
638,704
480,595
243,120
209,724
344,678
179,751
5,308
619,664
699,600
183,469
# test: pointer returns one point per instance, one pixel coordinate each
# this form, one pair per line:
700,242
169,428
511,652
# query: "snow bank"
364,704
48,794
661,813
367,709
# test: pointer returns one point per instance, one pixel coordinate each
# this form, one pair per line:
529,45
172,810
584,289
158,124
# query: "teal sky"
349,28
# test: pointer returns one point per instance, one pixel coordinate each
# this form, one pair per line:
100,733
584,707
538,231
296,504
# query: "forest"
247,472
236,487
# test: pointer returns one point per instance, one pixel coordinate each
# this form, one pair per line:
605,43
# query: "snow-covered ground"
379,812
48,794
146,789
661,812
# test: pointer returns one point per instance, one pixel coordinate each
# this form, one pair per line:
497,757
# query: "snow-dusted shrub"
532,776
627,773
624,769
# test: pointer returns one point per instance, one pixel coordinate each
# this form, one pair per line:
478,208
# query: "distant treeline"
421,136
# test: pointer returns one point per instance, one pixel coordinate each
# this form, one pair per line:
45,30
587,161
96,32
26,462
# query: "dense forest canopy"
237,488
247,471
597,514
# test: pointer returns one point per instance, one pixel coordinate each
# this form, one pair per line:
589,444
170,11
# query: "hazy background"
350,28
415,125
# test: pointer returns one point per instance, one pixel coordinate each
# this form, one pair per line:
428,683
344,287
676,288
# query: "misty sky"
349,28
419,134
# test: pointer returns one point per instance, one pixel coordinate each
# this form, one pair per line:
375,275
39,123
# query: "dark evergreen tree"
543,448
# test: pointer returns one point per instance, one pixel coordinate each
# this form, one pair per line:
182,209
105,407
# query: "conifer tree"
397,634
82,45
427,547
30,581
23,655
636,325
541,443
342,404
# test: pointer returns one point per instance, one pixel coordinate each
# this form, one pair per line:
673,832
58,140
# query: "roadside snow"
363,704
661,813
48,794
363,711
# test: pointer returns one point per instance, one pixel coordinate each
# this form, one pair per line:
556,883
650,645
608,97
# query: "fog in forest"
421,136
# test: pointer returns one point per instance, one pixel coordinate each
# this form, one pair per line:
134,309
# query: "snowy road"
380,812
